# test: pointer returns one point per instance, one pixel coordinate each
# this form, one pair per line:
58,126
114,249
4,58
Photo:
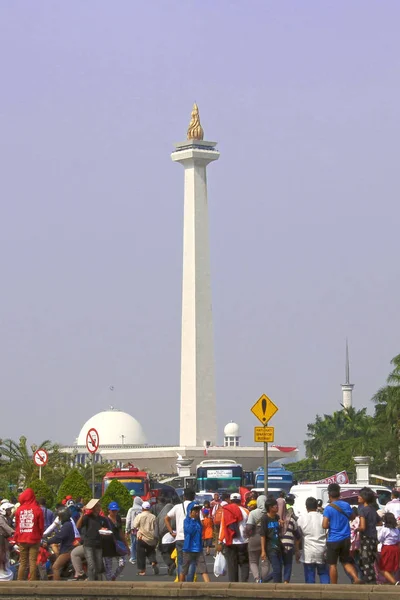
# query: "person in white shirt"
133,512
314,543
393,506
178,514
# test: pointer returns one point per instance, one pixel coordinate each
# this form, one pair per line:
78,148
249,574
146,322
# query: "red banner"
339,478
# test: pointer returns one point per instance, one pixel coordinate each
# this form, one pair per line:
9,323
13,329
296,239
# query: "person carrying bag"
259,569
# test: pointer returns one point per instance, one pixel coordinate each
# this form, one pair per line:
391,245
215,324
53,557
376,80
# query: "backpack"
218,515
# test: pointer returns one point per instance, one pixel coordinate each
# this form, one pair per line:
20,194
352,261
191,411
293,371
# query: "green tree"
335,439
20,458
74,485
387,415
42,490
18,466
117,492
100,469
306,469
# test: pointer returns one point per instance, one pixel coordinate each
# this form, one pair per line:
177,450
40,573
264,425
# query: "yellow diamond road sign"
264,409
264,434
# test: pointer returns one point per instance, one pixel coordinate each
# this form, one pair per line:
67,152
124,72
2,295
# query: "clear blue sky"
303,100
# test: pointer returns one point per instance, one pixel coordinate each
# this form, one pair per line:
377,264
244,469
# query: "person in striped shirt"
290,539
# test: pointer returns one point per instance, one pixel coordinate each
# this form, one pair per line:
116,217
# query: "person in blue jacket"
66,538
193,543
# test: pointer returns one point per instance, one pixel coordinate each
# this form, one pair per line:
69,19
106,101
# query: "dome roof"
231,429
114,427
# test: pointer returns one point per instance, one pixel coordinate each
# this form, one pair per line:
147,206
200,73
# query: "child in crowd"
389,537
355,539
207,530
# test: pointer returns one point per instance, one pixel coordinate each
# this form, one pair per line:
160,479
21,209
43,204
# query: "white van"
319,491
272,491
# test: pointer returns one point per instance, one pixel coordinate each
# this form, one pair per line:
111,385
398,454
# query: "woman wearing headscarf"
110,550
131,532
253,530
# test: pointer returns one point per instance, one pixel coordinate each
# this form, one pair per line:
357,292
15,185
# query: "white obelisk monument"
198,425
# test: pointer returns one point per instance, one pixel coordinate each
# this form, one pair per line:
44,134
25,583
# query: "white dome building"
115,428
231,434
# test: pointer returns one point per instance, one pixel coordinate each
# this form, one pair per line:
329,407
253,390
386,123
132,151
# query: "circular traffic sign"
40,457
92,440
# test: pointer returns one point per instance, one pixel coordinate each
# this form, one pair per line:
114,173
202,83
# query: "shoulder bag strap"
336,507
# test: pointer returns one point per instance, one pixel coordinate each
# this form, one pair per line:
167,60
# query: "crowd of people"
257,541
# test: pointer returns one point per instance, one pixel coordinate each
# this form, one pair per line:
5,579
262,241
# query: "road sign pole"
266,467
40,472
92,444
93,475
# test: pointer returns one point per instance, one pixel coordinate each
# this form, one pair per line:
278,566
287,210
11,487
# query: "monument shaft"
198,412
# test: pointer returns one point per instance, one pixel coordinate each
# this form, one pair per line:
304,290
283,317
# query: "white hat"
4,507
4,501
146,506
235,496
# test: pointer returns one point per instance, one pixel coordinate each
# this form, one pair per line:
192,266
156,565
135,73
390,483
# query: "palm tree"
100,469
387,401
20,458
336,438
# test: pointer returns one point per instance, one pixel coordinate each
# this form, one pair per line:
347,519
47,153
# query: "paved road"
130,573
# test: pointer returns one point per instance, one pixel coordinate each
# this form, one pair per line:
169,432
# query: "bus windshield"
137,485
277,478
214,479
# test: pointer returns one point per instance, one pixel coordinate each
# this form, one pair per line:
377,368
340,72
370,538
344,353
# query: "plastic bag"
219,564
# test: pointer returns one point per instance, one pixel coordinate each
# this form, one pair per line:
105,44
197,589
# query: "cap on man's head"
113,506
146,506
235,496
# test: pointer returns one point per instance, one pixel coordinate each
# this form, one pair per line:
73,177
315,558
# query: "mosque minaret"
347,387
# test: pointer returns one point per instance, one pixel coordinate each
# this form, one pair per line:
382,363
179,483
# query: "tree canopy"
117,492
75,485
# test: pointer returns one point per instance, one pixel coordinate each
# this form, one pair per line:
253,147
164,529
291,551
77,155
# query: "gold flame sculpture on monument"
195,130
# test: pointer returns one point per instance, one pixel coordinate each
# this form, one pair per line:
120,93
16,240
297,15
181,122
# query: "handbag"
120,548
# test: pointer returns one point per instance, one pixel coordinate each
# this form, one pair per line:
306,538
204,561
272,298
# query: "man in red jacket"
29,527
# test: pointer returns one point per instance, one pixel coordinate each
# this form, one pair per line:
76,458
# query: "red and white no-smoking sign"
92,440
40,457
